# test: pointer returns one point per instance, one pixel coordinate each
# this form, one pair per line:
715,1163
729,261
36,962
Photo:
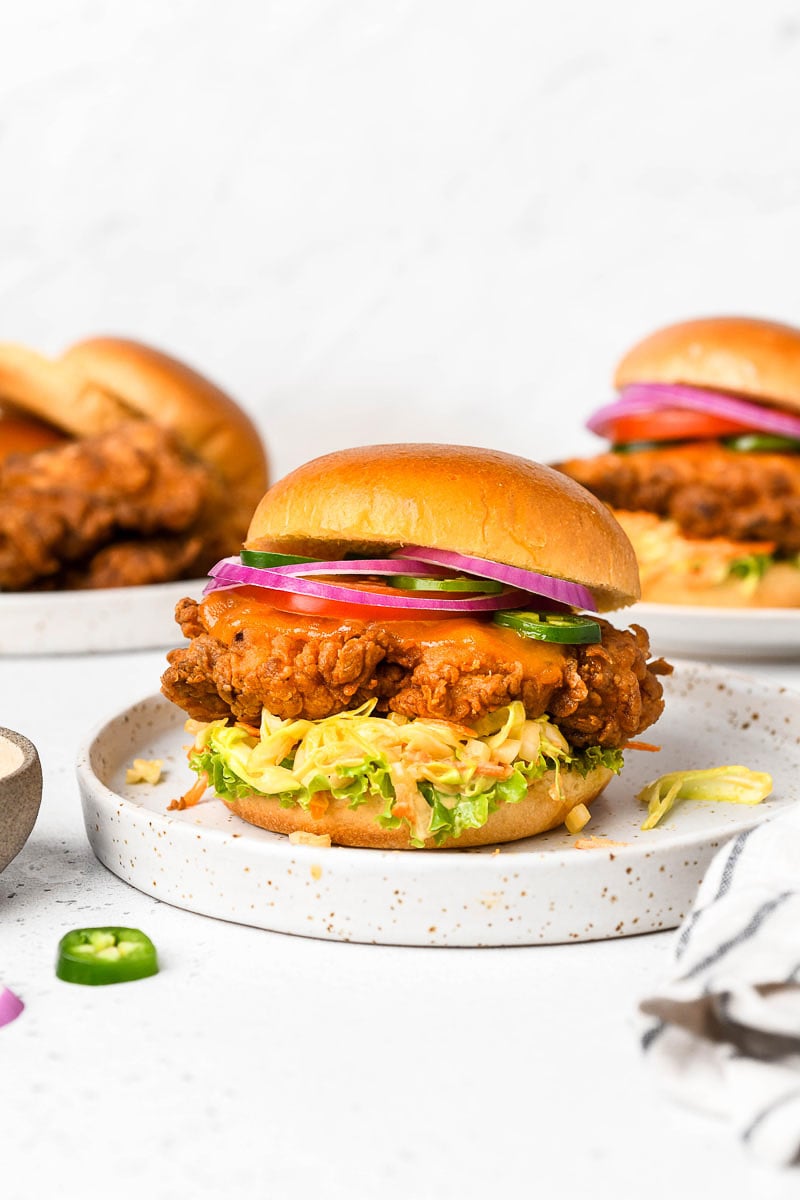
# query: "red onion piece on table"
10,1005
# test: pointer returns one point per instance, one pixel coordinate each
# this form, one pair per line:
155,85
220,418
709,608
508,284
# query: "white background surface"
371,221
404,220
258,1064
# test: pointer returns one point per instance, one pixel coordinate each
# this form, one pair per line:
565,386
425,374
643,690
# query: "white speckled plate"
540,890
96,621
699,632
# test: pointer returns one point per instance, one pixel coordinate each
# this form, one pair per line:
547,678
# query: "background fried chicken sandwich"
704,469
397,658
118,465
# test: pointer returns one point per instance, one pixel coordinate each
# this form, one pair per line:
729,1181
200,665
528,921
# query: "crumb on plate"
595,843
299,837
144,770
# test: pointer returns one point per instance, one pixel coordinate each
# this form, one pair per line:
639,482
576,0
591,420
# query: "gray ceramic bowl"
20,792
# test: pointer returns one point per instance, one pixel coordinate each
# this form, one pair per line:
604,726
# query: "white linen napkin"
723,1032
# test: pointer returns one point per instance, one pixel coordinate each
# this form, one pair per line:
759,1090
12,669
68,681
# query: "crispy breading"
126,507
709,490
601,694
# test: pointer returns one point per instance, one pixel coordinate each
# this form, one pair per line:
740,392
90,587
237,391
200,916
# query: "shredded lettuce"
750,568
436,777
732,785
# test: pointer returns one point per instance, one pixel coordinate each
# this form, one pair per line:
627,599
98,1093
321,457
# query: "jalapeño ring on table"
108,954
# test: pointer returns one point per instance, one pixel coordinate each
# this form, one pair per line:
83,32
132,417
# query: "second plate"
93,621
730,633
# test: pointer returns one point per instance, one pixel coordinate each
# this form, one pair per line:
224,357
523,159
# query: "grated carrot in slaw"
494,770
439,777
253,730
318,806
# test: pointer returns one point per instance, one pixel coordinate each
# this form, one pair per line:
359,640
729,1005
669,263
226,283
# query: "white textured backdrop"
397,219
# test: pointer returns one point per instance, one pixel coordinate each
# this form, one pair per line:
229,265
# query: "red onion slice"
229,572
573,594
355,566
651,397
10,1006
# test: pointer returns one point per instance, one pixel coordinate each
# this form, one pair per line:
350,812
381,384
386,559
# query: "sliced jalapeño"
753,443
109,954
567,628
266,558
435,583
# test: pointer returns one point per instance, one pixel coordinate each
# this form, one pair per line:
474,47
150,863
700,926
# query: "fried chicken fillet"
125,507
707,489
312,667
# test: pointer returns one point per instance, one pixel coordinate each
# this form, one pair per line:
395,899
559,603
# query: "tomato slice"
315,606
671,425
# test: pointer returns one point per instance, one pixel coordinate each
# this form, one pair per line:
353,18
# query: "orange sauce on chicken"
25,435
226,613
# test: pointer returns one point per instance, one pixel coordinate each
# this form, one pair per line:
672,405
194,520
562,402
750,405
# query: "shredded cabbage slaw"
661,549
730,784
437,777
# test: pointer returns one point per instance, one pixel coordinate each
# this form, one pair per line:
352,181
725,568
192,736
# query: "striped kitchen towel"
723,1032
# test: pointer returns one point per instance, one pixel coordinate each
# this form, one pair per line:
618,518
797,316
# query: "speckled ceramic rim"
30,755
532,892
20,798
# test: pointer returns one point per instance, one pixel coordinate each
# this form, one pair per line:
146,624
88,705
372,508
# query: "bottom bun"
543,808
694,571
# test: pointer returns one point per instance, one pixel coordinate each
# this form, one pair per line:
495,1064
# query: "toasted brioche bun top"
100,383
753,358
477,502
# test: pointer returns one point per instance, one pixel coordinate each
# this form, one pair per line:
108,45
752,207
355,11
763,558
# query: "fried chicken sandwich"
704,467
118,466
402,655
